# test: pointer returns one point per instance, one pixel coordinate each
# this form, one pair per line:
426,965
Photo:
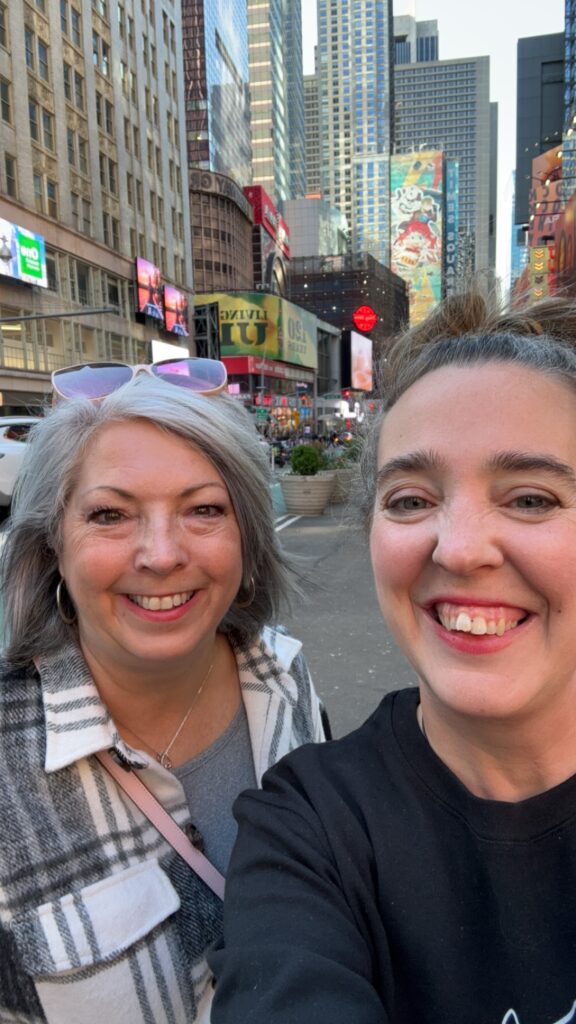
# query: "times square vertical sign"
452,174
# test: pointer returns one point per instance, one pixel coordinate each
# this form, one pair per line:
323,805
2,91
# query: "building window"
67,72
10,171
43,69
100,54
52,199
33,120
84,282
47,130
78,91
71,147
38,193
51,271
29,49
5,104
75,207
3,29
86,216
82,155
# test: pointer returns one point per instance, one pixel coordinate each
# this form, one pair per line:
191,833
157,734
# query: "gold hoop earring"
59,604
252,594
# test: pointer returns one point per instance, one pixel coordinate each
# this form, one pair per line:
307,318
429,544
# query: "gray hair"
215,426
542,353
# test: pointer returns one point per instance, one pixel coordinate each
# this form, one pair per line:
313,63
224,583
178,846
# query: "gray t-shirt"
212,781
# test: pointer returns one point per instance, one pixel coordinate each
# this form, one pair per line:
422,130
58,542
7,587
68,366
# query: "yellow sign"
256,323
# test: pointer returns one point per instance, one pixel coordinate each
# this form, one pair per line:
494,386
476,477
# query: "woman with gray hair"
142,581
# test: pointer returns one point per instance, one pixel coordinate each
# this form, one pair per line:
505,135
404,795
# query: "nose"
467,541
160,547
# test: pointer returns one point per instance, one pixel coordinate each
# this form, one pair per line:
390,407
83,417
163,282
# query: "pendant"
164,761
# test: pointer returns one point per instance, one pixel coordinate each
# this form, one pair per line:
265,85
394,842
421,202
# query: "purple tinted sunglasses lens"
194,374
92,381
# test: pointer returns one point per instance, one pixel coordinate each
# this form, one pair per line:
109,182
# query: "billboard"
417,186
451,226
266,214
257,323
175,311
361,362
22,254
149,289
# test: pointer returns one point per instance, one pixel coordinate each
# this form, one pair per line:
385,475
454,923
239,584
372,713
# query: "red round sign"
364,318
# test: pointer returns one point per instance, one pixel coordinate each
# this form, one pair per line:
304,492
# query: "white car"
13,435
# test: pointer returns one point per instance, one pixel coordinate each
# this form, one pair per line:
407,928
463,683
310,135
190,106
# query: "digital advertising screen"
417,187
22,254
149,289
360,362
175,311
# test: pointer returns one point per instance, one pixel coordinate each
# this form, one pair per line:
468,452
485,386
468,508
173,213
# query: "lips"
480,620
161,603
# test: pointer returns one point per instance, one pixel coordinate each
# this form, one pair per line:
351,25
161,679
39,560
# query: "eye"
105,516
406,503
207,511
534,502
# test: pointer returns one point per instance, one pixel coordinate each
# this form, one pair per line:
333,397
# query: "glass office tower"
355,83
215,40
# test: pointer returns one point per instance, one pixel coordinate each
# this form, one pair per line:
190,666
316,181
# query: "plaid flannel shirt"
99,919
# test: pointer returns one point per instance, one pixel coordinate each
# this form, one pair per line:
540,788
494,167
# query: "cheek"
398,557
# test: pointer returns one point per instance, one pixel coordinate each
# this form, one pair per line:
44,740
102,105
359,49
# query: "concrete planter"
307,495
343,486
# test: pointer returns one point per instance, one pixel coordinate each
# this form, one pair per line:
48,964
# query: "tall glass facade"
217,86
355,49
277,96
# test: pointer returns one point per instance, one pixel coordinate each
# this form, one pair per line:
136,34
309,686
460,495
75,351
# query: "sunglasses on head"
96,380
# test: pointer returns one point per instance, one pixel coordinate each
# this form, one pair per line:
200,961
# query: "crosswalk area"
281,522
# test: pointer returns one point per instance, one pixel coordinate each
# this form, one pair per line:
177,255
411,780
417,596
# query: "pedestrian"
422,870
142,581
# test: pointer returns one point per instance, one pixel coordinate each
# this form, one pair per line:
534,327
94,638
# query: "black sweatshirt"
368,886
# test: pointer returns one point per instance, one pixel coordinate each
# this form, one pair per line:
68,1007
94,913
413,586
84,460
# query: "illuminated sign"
364,318
149,289
451,226
22,254
257,323
361,362
175,311
417,227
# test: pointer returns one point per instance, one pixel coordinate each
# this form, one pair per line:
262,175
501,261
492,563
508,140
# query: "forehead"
492,406
140,448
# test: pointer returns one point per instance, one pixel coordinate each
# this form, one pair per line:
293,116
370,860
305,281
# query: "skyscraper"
277,96
312,135
215,43
355,87
445,105
92,145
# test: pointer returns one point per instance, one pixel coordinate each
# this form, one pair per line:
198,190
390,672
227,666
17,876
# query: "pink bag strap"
139,793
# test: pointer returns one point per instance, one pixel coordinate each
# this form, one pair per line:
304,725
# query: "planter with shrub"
307,488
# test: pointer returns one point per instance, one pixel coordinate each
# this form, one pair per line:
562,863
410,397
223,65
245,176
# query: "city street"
352,657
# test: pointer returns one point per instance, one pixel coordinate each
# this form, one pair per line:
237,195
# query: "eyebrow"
519,462
505,461
128,496
413,462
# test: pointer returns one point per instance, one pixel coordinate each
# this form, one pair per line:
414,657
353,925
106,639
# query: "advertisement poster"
175,311
361,362
257,323
417,227
22,254
149,289
451,227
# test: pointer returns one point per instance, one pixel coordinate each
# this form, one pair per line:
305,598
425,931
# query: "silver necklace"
162,756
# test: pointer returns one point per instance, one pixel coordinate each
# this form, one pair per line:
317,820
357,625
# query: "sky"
477,29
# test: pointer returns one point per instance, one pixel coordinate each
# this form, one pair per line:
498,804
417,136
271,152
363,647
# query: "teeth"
462,622
157,604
